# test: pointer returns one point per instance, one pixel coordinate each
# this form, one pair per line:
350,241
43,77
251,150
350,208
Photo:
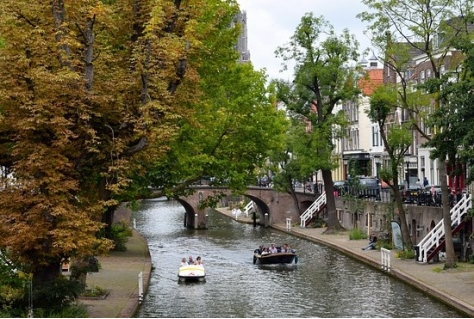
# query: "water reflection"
324,283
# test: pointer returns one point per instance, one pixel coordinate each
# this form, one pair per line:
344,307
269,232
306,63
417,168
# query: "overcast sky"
271,23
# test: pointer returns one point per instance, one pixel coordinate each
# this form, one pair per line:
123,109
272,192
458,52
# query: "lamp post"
407,177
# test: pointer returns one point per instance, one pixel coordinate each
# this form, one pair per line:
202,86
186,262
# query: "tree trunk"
46,274
333,224
108,219
448,235
79,267
406,238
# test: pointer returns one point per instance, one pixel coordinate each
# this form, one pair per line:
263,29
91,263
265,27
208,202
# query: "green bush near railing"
356,234
405,254
383,244
318,223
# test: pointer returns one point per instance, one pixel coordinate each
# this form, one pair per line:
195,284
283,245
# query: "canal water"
324,283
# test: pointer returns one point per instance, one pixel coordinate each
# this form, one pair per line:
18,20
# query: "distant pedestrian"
372,242
418,183
425,182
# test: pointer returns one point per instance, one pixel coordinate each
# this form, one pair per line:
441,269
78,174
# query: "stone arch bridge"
279,206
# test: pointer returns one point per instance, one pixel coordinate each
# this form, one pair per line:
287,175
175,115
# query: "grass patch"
405,254
437,269
95,292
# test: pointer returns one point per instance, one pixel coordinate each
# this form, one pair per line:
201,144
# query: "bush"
94,291
120,233
72,311
405,254
471,259
356,234
318,223
383,244
57,295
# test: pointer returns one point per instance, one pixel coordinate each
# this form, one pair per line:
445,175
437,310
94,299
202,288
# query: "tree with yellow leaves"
90,91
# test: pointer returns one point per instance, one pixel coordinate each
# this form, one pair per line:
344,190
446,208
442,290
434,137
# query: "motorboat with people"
192,270
274,255
191,273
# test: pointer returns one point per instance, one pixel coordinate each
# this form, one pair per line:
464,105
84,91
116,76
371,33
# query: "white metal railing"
248,208
436,235
140,287
288,224
314,208
385,259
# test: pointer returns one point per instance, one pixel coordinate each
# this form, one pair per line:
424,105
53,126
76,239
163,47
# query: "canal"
324,283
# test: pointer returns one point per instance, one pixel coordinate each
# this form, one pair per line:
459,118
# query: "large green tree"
404,29
455,115
397,140
323,77
231,127
303,154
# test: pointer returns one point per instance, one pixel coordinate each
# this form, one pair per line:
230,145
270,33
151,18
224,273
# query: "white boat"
192,273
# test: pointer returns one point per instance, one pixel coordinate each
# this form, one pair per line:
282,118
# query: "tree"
231,126
397,140
455,115
323,78
403,29
90,94
233,129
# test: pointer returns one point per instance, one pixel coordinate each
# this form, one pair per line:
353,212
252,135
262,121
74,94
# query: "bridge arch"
279,206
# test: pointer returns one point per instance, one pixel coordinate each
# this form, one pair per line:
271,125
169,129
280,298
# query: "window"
422,76
375,136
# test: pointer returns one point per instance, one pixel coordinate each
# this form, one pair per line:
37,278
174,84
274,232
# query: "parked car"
410,194
369,187
340,187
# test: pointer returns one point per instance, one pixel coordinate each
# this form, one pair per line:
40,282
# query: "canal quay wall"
454,287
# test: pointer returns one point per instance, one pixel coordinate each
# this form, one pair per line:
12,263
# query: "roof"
371,81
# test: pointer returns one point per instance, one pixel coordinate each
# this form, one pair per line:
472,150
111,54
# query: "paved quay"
454,287
118,274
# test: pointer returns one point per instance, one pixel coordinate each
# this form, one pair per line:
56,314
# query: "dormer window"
442,70
422,76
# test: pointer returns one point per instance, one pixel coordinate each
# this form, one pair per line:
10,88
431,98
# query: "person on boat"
285,248
190,260
265,251
183,262
372,241
198,261
273,249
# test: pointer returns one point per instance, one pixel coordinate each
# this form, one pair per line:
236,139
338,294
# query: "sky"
271,23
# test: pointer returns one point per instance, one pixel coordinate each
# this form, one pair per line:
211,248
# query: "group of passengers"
197,262
273,249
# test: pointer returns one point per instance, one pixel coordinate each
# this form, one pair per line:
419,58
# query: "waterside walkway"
119,275
454,287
